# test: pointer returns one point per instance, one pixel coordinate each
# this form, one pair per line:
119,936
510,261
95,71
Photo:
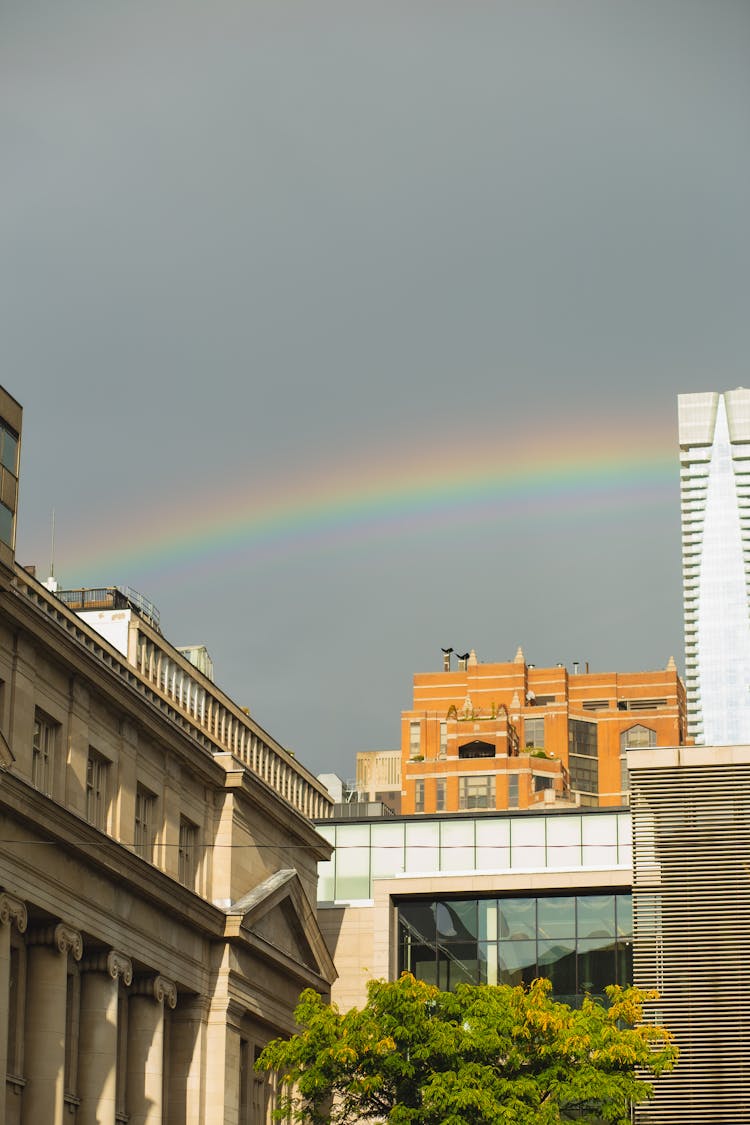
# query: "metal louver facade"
691,900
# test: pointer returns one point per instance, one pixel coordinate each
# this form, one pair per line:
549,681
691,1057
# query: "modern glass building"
581,942
714,432
487,899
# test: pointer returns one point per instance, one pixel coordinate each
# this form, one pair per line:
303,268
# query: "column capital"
13,910
64,937
114,963
161,988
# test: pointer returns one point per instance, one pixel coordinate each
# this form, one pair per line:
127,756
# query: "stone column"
11,910
97,1073
46,996
145,1080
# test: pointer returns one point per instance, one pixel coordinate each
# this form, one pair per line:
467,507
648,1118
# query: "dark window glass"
457,963
476,749
420,960
6,525
572,940
418,919
596,966
624,955
9,450
557,962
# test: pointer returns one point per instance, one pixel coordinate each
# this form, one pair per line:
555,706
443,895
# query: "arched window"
637,738
476,749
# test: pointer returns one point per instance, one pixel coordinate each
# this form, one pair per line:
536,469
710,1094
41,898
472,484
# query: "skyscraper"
714,431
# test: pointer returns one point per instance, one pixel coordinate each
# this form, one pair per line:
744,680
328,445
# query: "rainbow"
368,500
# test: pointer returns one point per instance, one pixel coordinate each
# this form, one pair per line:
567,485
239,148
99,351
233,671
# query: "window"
145,818
476,749
533,733
415,739
476,792
512,790
8,483
595,704
43,753
443,751
188,852
637,738
419,796
581,943
542,782
97,790
440,795
583,756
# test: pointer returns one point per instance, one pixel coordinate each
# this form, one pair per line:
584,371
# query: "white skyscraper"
715,494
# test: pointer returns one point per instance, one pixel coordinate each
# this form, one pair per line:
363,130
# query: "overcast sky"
274,257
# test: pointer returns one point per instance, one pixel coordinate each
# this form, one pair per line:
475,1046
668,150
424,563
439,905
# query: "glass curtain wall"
581,943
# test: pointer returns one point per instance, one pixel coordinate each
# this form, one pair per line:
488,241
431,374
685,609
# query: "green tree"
478,1056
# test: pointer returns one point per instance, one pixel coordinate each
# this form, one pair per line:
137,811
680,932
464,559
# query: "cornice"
95,849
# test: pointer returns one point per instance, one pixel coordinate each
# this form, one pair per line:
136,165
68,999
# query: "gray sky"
275,257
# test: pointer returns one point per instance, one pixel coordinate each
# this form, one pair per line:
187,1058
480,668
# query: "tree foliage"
481,1055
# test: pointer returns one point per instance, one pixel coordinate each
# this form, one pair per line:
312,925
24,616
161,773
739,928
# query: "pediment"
277,915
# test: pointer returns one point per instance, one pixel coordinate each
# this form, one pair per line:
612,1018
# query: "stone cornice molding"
116,964
13,910
64,937
163,990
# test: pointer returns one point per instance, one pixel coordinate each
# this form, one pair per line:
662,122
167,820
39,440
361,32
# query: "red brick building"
510,735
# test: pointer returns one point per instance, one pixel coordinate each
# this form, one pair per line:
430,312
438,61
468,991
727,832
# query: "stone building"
158,869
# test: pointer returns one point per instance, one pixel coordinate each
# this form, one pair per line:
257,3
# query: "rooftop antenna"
51,583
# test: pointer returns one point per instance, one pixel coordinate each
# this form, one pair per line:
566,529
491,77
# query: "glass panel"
516,962
422,853
564,841
10,452
457,845
557,961
596,966
6,525
352,861
457,963
624,956
493,844
326,884
556,917
624,915
417,919
457,919
596,916
419,960
527,843
387,849
518,918
599,834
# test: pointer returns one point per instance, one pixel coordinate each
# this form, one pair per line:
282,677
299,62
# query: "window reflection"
581,943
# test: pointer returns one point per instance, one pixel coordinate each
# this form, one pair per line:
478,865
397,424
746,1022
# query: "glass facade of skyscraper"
715,494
